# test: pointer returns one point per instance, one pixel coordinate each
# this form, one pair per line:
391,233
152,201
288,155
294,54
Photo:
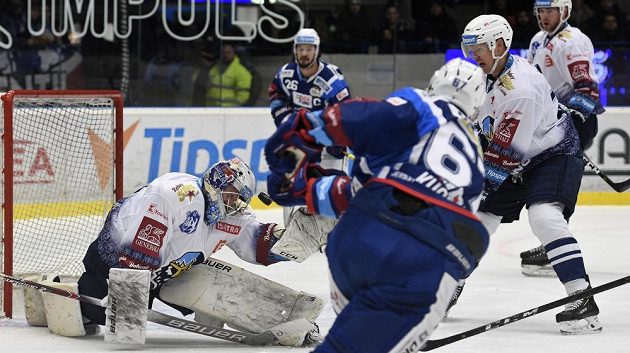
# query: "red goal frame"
7,101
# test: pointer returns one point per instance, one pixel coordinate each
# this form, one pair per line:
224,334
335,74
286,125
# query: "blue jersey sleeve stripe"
324,205
426,122
320,136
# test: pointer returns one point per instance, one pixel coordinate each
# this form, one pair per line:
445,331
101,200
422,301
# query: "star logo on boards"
103,153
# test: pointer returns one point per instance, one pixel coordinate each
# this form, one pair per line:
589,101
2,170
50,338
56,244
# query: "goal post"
62,169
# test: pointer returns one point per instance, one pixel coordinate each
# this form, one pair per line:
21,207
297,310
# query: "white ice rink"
496,290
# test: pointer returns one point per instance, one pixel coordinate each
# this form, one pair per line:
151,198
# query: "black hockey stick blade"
433,344
252,339
618,187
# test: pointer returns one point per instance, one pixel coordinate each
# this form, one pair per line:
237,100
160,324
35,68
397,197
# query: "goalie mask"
561,5
228,187
461,82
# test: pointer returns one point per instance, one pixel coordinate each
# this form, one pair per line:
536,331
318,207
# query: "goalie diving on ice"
170,228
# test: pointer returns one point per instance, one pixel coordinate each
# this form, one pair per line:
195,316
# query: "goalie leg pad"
127,306
243,300
63,315
33,304
305,234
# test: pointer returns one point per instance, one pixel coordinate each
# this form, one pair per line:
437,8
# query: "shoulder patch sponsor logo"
395,101
343,94
302,100
228,228
287,73
183,192
322,84
153,209
579,70
190,223
149,237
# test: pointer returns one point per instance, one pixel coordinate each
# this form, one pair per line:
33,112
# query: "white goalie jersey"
161,227
566,61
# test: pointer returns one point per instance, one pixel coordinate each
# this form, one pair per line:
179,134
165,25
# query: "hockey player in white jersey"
532,159
174,223
564,55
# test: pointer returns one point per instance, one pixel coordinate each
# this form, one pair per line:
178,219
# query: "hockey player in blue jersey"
409,230
306,82
312,84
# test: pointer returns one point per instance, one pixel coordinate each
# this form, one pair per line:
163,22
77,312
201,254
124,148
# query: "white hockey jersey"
566,61
519,118
161,227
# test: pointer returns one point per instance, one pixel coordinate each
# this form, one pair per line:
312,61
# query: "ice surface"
496,290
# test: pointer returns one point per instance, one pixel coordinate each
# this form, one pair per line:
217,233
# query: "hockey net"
62,170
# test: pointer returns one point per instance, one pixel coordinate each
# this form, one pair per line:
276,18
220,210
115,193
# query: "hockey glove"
291,146
292,191
280,112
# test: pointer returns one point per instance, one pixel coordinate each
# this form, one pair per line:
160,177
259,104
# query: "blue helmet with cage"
228,187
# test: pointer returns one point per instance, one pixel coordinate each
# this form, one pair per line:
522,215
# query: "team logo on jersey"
149,236
548,61
183,192
506,81
507,128
550,47
315,91
302,100
565,35
580,70
153,209
190,223
228,228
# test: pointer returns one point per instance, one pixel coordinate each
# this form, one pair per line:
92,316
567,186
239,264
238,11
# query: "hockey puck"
266,199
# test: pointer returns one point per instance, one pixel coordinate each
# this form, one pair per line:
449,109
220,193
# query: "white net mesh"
63,180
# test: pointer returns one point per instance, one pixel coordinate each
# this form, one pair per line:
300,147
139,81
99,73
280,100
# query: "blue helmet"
229,187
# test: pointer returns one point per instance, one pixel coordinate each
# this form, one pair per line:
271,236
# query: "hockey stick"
433,344
266,338
619,187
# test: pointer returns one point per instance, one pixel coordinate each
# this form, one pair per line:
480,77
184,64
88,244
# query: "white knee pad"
547,222
490,221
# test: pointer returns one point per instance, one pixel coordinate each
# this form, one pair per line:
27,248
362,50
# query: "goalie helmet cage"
61,155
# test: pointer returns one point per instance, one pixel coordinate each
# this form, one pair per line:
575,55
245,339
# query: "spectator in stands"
229,82
609,7
610,30
351,37
439,30
394,33
524,30
582,16
500,7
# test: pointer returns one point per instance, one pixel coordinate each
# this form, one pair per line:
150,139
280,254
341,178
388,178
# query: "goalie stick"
265,338
433,344
619,187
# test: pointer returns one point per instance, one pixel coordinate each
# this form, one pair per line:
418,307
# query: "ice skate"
535,263
579,317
